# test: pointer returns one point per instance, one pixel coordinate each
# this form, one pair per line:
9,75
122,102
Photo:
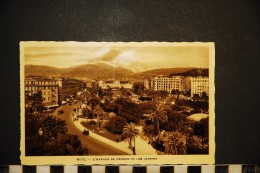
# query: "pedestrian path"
141,146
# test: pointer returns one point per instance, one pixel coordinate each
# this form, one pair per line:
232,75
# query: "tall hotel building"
199,85
48,87
166,83
54,90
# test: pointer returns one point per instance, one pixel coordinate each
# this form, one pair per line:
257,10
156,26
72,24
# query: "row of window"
41,82
40,88
196,81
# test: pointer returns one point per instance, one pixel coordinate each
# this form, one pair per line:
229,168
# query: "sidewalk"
141,146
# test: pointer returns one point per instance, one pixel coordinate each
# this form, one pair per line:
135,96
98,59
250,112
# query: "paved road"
95,147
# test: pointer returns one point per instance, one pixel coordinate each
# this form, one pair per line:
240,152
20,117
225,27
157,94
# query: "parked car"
85,132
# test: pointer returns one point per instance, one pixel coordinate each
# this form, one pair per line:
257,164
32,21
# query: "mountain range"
99,71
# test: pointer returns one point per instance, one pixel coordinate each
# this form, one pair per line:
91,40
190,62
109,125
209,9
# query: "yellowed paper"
79,101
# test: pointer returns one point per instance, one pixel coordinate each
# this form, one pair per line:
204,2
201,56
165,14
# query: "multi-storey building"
49,88
166,83
147,84
54,90
199,85
69,87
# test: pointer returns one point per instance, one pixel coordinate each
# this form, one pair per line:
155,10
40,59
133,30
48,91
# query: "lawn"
102,132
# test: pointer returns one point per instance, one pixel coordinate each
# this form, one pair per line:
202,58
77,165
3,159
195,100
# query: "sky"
136,58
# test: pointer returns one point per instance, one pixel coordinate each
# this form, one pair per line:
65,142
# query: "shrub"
92,122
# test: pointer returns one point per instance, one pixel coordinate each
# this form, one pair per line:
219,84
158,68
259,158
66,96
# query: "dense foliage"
46,134
116,124
128,109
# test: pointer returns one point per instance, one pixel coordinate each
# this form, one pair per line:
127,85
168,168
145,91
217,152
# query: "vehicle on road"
85,132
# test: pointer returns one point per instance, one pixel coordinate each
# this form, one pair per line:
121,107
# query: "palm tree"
131,132
159,115
175,143
51,126
97,111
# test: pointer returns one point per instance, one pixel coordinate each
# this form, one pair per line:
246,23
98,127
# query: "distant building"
88,84
115,84
69,87
167,83
49,88
199,85
147,84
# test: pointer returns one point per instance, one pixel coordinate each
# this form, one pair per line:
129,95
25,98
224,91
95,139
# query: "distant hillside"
97,71
88,71
193,72
103,71
163,71
40,70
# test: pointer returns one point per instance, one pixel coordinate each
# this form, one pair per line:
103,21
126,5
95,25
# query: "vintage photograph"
105,102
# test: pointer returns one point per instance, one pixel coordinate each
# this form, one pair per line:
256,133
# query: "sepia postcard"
117,103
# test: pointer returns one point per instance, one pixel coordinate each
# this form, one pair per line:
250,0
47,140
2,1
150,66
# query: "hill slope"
97,71
40,70
88,71
163,71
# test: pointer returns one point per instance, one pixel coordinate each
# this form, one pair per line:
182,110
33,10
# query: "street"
95,147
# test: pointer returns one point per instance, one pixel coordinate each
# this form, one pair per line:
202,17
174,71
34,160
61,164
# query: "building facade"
54,90
48,87
69,87
199,85
167,83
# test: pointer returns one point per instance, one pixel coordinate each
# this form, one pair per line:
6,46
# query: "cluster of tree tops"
175,123
46,134
193,73
132,112
173,120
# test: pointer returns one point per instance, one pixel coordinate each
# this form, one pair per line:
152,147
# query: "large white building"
54,90
167,83
199,85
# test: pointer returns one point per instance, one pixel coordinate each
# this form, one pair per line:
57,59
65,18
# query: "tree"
100,92
201,129
176,92
175,143
93,101
149,130
159,115
97,111
130,131
138,88
108,92
196,97
128,109
163,94
204,96
51,126
33,102
116,124
147,107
